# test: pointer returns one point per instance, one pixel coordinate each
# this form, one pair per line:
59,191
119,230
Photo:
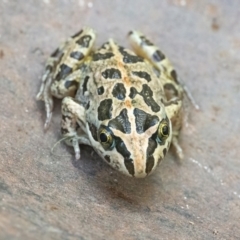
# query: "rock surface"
51,196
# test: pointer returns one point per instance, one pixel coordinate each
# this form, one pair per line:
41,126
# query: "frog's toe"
48,120
177,148
39,96
76,147
48,109
73,142
179,153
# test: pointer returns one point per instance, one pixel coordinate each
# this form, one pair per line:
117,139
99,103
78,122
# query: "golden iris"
105,137
163,130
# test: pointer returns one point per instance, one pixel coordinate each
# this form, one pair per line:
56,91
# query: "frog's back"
121,79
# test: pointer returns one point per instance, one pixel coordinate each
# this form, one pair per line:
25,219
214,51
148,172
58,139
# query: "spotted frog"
126,105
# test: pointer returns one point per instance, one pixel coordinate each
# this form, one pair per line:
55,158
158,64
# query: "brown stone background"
44,196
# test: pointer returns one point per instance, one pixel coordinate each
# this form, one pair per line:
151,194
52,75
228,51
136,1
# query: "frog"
125,104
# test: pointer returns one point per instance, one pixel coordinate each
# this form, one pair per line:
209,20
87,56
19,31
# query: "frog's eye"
105,137
163,131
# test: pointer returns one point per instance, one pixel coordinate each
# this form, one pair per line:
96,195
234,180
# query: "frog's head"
133,142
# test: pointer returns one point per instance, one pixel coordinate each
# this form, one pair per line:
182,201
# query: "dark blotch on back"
144,120
129,58
105,109
85,84
119,91
102,56
158,56
144,75
84,41
64,71
121,122
100,90
150,164
122,149
93,130
77,55
147,95
133,92
112,73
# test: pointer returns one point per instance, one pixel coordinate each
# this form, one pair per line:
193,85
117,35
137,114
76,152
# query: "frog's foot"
190,97
43,84
74,141
177,147
73,124
45,95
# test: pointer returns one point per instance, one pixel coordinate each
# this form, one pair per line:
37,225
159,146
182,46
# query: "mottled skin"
126,105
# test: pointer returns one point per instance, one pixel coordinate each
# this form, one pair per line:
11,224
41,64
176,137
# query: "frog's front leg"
73,124
168,77
61,77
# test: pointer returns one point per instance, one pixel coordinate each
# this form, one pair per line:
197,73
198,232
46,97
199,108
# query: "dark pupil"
165,130
103,137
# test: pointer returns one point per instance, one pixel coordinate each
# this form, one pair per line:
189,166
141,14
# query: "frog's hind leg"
148,50
60,77
168,77
44,93
145,48
73,124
